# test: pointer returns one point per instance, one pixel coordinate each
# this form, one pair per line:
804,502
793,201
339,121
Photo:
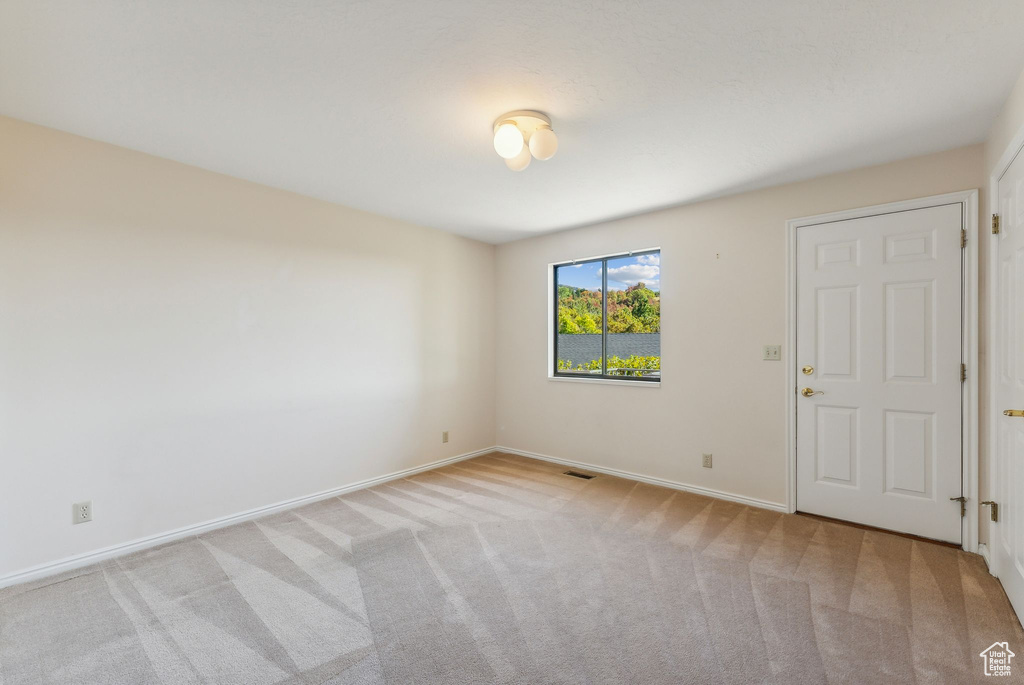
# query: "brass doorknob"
808,370
807,392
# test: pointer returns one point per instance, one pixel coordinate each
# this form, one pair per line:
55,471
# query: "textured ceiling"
387,106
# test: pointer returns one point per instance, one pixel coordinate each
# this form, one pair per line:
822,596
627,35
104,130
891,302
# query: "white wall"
723,297
1006,125
178,346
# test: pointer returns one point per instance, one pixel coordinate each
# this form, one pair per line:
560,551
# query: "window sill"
607,381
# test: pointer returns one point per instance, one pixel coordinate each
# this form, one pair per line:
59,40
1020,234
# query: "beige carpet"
503,570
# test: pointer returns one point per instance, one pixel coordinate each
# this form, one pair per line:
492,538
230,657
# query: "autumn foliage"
634,310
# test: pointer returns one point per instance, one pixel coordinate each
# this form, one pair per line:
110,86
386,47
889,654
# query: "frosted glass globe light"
508,140
520,161
543,143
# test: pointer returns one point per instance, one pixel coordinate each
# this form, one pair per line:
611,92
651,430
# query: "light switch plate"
772,353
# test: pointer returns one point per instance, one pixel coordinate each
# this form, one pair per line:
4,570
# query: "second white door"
879,344
1006,536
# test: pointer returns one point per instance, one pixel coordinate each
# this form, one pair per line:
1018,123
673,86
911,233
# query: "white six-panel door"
1006,537
879,320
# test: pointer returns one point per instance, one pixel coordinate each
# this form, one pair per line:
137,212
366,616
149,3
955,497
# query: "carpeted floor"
503,570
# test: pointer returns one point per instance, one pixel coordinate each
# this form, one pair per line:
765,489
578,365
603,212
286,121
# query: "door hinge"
995,223
963,504
963,373
963,238
994,511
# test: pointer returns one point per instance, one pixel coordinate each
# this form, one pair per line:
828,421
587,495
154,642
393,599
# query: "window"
608,317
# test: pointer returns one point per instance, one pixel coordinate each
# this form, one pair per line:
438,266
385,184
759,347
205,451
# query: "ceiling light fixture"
522,135
508,139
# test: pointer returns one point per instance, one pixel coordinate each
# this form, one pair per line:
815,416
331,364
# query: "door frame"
1013,148
969,343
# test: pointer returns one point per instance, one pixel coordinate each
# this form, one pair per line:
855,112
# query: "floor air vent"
577,474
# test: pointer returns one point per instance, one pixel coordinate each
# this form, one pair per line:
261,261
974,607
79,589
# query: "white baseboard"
80,560
696,489
983,551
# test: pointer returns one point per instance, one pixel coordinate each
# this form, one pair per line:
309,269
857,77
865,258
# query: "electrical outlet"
81,512
705,461
772,353
444,436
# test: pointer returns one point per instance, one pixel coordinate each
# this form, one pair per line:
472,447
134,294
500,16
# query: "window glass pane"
578,347
634,316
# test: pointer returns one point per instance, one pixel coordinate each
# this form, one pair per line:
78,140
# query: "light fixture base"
526,120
